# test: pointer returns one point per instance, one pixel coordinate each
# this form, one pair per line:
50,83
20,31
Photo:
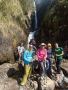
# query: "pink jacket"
41,54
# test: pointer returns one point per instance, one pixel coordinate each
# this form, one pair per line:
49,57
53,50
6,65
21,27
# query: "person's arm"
23,49
52,54
61,53
45,54
55,55
37,55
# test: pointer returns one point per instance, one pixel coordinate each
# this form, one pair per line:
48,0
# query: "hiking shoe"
22,83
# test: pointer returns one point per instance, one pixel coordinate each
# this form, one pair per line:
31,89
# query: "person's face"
30,47
56,45
43,47
49,47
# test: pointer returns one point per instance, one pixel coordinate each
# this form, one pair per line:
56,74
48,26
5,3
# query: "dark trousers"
49,72
42,68
58,64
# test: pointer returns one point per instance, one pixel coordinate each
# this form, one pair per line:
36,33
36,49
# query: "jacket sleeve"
45,54
38,55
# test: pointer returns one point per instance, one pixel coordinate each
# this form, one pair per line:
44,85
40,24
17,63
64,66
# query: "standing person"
58,57
49,58
20,51
27,59
41,56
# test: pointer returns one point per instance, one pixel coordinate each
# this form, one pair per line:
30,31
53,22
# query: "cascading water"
39,12
31,34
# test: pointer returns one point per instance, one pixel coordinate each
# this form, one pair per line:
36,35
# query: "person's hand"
36,58
44,58
57,55
53,56
23,63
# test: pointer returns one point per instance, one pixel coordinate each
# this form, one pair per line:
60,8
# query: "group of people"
43,55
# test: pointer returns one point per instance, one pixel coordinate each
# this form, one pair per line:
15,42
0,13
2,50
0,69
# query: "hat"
49,44
42,44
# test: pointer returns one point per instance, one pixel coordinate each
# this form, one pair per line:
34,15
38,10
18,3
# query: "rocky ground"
11,74
65,67
7,83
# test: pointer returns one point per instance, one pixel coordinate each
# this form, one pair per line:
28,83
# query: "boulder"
47,83
34,85
7,83
7,43
64,67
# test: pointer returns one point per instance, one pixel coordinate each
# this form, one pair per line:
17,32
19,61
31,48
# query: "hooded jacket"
28,56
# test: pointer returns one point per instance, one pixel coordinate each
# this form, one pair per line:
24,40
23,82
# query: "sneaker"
22,83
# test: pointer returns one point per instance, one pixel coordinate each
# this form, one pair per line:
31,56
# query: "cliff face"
54,22
14,25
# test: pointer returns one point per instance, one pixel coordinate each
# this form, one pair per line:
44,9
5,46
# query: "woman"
49,58
20,50
41,57
28,58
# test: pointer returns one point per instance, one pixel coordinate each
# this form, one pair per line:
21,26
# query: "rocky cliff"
14,25
54,22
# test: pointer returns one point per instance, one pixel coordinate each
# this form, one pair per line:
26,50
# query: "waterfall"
31,34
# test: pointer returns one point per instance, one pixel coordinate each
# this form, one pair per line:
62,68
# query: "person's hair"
49,44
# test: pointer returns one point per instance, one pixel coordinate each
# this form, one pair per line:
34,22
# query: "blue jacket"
28,56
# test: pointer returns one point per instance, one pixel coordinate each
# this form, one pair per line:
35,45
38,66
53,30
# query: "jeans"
49,72
42,68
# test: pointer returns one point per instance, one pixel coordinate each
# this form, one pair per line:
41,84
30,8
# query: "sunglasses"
49,46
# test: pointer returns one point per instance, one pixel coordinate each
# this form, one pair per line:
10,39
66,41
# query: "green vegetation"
55,21
13,15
